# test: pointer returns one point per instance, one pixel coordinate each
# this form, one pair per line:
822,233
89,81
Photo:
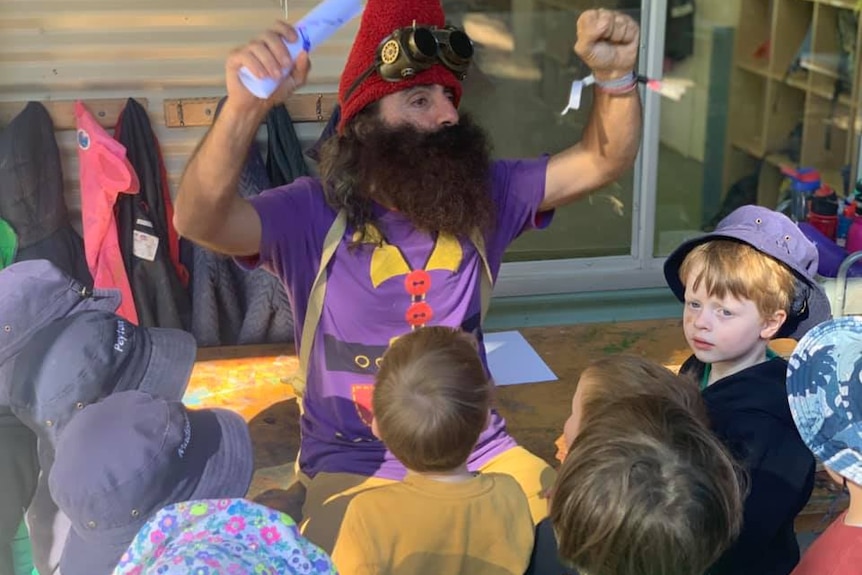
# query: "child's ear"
773,324
374,429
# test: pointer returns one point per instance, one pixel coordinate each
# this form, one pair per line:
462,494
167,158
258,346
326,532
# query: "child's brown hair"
625,374
737,269
432,398
646,489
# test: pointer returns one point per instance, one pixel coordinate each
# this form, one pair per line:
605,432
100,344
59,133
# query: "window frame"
640,269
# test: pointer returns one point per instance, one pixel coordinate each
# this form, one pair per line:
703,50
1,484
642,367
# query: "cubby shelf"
776,94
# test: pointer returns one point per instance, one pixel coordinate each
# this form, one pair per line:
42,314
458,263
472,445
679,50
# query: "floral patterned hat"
230,536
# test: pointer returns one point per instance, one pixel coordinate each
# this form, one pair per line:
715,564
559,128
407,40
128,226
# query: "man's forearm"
613,131
209,184
608,147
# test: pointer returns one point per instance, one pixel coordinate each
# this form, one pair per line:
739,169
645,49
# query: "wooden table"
247,379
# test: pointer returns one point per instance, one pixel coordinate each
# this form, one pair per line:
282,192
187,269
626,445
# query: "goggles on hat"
409,51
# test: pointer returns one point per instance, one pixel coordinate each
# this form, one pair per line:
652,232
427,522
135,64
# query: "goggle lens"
423,44
408,51
460,45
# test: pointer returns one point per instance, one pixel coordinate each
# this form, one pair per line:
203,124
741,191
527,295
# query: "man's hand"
266,56
607,43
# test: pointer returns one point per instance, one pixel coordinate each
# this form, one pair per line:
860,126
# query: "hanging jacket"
284,161
329,130
679,30
749,412
148,242
20,467
105,174
8,244
231,306
31,194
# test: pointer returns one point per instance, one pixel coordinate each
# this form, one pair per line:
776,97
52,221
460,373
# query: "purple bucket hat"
222,536
824,391
774,234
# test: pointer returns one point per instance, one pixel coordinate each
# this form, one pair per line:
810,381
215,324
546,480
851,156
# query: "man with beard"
405,227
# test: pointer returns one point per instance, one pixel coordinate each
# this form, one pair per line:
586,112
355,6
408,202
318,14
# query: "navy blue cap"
123,459
81,358
35,293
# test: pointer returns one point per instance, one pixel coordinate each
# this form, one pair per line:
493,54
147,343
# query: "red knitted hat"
379,20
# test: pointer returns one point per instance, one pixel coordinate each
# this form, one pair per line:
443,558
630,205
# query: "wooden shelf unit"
768,101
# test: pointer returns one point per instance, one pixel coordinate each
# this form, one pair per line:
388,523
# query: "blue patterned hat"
226,536
824,390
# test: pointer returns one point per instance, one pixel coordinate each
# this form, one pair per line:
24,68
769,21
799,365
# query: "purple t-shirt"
367,301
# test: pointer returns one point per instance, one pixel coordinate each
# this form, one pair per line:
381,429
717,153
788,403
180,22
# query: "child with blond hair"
747,282
432,399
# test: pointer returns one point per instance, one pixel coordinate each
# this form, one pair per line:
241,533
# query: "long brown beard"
440,180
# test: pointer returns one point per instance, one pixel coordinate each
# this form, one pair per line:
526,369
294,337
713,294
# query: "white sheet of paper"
512,360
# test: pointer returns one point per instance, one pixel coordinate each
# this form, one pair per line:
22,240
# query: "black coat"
750,414
161,298
31,194
232,306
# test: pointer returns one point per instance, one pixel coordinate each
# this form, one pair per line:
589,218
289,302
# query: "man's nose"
445,110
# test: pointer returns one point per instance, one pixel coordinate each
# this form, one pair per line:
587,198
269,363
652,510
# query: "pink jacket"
105,173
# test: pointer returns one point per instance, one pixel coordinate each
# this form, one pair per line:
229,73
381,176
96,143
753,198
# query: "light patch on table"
247,385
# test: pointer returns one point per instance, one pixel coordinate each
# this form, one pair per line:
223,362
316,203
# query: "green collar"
707,368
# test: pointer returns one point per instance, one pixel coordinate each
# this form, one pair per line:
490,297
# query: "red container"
828,225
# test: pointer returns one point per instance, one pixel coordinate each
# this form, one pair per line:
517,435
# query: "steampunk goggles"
408,51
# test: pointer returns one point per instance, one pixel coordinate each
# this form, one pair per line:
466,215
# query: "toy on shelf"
854,234
803,183
823,211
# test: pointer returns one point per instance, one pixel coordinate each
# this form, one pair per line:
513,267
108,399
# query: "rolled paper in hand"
312,30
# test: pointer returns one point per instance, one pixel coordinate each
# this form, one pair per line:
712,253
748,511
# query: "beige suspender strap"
487,281
315,301
318,293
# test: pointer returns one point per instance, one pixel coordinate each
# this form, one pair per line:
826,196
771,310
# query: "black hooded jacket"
161,299
748,410
31,194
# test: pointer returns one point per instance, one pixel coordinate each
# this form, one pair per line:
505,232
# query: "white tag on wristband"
575,93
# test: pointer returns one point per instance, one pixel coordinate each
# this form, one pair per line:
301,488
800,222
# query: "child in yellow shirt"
431,401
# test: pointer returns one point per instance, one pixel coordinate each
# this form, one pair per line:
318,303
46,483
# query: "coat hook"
318,108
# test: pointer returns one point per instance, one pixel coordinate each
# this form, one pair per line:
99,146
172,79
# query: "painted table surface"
248,380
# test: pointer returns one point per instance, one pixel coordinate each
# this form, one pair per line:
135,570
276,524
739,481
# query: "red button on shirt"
419,313
417,282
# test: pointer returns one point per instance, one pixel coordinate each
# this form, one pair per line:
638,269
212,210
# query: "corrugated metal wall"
154,49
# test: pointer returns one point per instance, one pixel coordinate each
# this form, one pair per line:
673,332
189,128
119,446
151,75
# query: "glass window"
516,89
775,91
